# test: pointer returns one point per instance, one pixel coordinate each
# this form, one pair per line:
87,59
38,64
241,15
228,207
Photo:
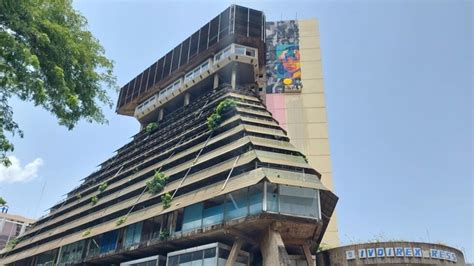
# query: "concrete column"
308,255
187,98
216,82
273,249
160,114
234,252
234,76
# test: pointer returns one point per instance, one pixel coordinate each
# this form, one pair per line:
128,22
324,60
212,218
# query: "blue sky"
398,79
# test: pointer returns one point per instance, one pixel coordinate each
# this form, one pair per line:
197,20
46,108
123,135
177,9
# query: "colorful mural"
283,57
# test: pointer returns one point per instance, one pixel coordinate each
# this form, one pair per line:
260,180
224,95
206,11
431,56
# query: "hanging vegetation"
166,199
121,220
103,187
2,201
151,127
94,200
12,244
78,196
215,118
156,183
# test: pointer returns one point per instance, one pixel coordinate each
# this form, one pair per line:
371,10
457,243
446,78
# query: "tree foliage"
156,183
2,201
49,58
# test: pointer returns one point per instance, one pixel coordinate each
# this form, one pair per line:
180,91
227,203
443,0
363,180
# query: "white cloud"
16,173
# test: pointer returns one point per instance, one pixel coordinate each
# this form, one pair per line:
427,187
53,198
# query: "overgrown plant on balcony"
94,200
12,244
215,118
156,183
151,127
86,233
164,234
103,187
166,200
121,220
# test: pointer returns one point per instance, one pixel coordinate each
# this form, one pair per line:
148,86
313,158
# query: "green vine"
156,183
2,201
78,196
103,187
121,220
166,199
94,200
151,127
215,118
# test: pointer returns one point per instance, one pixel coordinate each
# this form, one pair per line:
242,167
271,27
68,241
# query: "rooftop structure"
210,169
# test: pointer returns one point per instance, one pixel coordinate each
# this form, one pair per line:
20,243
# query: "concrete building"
213,177
12,226
391,253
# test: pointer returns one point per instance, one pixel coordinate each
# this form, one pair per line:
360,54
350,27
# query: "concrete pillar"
273,249
216,82
234,76
308,255
234,252
187,98
160,114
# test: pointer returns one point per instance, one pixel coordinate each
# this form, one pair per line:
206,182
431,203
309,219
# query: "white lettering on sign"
400,252
350,255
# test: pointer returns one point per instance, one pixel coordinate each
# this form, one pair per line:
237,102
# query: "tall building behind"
12,226
212,178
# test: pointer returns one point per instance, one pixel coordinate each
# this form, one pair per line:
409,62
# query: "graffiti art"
283,57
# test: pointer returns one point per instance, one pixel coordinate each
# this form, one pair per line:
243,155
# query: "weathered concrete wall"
359,254
273,249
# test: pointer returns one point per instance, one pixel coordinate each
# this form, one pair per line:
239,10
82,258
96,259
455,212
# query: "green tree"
2,201
49,58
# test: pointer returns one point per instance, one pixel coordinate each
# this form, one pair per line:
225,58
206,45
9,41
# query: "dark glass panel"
151,76
214,31
167,66
203,38
159,70
184,52
176,54
194,45
255,23
224,23
241,20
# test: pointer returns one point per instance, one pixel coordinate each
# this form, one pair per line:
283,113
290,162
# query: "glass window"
239,50
236,204
173,261
213,212
132,234
197,258
72,252
209,257
250,52
192,217
298,201
256,198
272,197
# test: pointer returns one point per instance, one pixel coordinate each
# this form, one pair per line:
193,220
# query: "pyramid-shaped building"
211,179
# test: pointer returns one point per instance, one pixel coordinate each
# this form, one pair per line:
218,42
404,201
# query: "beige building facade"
303,113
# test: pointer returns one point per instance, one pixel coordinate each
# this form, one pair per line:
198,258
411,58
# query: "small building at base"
391,253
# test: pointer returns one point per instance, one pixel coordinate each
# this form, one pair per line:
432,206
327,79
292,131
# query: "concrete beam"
234,252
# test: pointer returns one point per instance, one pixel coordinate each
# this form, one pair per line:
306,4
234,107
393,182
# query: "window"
256,199
272,197
132,234
71,253
213,212
239,50
151,228
298,201
236,204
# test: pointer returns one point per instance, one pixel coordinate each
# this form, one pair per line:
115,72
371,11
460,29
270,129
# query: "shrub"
166,199
164,234
225,106
86,233
94,200
121,220
103,187
215,118
213,121
151,127
156,183
78,196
